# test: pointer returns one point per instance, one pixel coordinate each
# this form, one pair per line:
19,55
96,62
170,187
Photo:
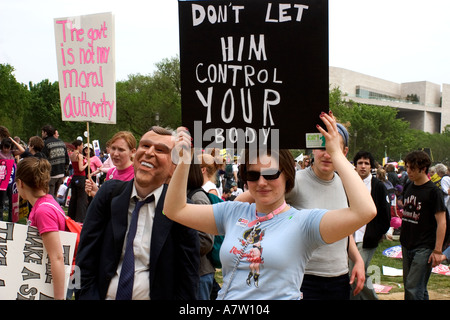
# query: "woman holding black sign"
267,244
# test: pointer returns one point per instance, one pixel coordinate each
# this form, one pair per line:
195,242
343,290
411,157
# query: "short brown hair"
418,159
34,172
286,164
37,143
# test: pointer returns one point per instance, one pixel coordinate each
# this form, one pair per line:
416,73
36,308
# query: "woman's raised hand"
182,149
332,142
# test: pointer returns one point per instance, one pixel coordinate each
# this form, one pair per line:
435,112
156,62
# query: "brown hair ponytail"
34,172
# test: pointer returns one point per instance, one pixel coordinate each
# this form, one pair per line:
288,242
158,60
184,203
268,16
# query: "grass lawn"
437,282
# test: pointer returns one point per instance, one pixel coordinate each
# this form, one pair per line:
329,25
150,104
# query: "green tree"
14,100
372,128
146,100
167,97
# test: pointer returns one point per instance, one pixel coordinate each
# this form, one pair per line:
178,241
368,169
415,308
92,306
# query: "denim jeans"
205,287
416,273
367,292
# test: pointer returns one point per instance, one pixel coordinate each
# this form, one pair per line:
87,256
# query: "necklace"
267,216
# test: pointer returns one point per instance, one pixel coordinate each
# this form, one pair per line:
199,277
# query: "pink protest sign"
85,52
6,169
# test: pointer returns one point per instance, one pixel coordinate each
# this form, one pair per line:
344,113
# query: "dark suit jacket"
174,252
379,225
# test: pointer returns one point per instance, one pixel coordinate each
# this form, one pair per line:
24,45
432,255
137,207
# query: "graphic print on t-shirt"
411,209
251,239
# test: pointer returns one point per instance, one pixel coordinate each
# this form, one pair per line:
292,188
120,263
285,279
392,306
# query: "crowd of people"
155,213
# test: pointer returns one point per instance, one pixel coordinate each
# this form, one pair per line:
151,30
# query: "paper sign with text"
85,51
7,169
24,264
253,70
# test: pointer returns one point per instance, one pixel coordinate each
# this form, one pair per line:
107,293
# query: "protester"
281,238
381,175
56,153
6,195
391,175
15,148
34,149
443,182
61,196
306,162
235,190
197,195
107,162
209,166
32,178
423,226
326,273
95,162
5,150
226,195
123,148
445,187
78,199
166,256
368,236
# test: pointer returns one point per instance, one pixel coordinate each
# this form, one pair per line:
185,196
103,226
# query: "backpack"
214,254
71,226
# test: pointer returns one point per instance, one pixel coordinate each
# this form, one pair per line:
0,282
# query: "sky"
396,40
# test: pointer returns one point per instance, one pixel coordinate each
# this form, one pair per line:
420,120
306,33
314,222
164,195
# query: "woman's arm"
199,217
81,166
436,257
358,270
337,224
19,150
53,246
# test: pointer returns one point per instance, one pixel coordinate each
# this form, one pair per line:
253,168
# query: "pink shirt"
95,163
47,215
123,175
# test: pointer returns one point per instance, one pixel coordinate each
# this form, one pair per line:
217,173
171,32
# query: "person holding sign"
32,179
123,148
78,201
267,244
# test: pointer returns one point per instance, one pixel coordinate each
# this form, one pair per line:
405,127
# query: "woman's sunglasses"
268,175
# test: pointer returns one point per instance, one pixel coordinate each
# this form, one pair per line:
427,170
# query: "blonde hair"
381,174
210,163
34,172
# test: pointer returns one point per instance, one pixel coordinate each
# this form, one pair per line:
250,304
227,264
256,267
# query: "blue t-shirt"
272,264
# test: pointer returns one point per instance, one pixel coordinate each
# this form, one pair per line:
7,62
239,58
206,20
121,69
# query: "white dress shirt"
141,246
359,234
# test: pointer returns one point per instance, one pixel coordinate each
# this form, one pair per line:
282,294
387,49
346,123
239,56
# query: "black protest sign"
253,71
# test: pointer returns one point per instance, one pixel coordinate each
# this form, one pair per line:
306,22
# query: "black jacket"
379,225
56,152
174,252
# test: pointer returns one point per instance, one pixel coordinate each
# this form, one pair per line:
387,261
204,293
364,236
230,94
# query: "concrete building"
424,104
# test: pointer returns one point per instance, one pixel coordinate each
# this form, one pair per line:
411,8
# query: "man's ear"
345,151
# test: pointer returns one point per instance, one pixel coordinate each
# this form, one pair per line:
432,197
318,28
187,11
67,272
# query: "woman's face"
121,154
267,192
20,190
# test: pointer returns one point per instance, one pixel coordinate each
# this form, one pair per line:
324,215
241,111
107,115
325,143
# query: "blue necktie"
126,279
